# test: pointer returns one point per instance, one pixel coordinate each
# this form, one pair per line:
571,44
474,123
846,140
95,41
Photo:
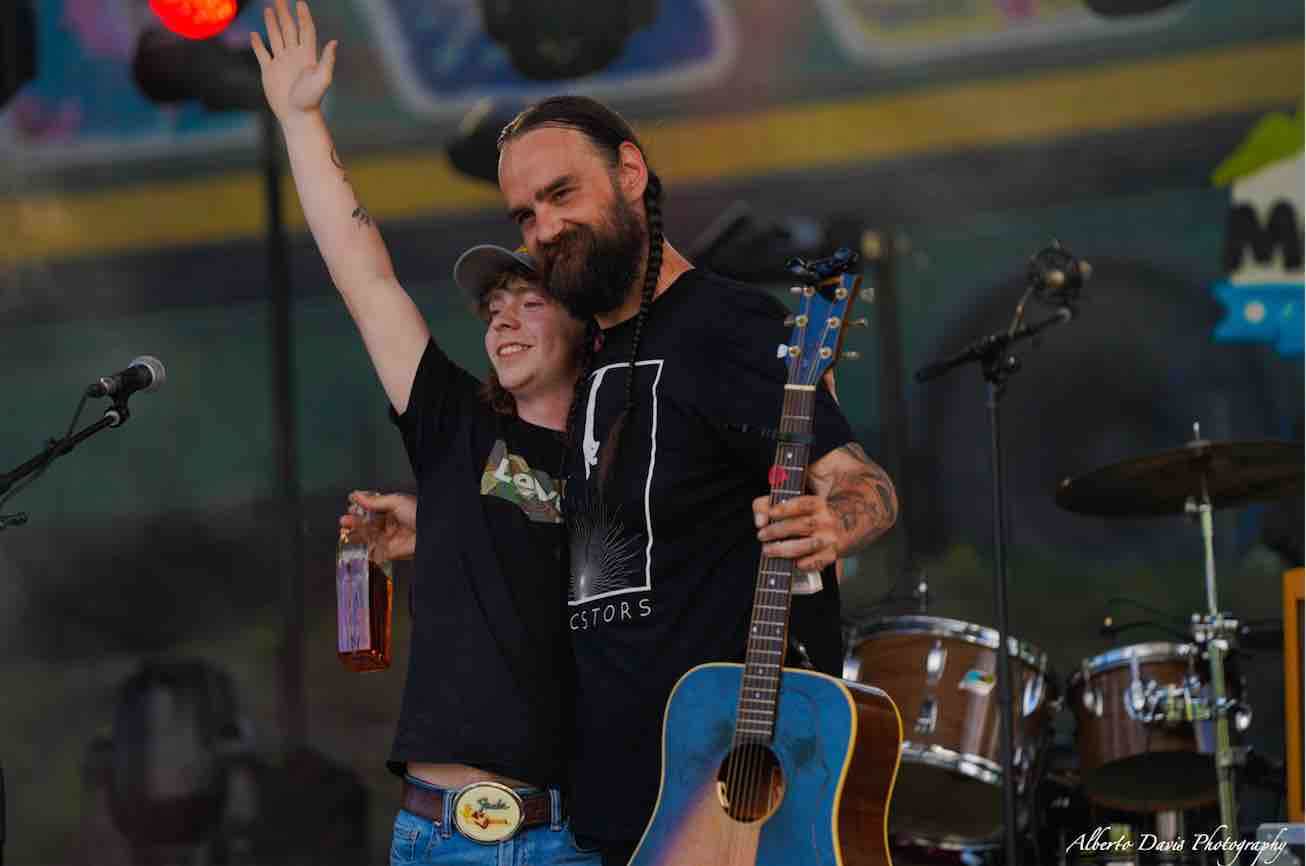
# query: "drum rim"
942,758
967,632
1149,651
951,842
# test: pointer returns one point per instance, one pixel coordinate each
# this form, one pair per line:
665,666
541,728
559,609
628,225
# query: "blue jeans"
421,842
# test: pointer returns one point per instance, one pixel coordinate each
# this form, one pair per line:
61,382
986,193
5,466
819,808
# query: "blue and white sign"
441,60
84,105
1263,293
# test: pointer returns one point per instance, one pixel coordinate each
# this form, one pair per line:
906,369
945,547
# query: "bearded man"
666,501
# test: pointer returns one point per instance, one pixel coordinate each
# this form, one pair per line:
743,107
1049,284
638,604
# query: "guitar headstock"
824,302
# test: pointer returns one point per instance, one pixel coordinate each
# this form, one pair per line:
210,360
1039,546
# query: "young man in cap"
487,700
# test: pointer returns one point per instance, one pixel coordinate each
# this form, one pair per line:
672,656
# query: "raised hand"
294,78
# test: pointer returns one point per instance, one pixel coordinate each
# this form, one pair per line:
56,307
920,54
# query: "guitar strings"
750,779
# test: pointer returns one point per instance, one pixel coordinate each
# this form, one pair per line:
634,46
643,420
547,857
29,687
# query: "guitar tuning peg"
850,355
791,320
858,323
867,294
795,290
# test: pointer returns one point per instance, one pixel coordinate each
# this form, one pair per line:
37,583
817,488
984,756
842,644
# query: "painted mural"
1165,148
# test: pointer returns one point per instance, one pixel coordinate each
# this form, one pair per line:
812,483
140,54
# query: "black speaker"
1121,8
564,38
17,46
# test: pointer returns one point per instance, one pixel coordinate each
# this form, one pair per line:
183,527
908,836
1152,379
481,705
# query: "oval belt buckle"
487,812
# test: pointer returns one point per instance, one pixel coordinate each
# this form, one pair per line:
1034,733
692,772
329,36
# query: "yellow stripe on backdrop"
931,120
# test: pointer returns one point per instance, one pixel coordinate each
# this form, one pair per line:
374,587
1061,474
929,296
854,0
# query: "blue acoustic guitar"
764,765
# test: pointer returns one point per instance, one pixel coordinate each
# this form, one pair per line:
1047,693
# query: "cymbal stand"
1215,631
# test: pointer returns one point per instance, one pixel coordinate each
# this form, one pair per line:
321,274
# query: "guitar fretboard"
768,630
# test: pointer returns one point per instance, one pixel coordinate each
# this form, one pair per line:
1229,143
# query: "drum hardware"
934,662
1091,695
927,718
1192,480
1032,696
1214,630
922,594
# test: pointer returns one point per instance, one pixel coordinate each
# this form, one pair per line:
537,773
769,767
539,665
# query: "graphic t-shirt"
663,563
490,669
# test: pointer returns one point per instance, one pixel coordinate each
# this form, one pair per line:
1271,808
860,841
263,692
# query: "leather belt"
486,812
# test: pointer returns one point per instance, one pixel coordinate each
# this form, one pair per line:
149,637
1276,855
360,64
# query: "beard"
590,269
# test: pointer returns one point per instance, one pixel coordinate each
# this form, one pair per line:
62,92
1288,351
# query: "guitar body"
836,745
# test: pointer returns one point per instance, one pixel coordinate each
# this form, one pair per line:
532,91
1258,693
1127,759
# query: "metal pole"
883,249
1216,644
1003,658
288,504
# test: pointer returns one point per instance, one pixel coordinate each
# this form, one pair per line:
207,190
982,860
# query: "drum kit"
1158,724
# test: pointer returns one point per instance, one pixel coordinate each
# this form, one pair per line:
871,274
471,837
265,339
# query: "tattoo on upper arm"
363,217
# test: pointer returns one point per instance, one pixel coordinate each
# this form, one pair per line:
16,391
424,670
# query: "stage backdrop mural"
949,142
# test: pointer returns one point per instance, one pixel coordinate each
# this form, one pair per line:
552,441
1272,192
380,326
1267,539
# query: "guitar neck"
769,627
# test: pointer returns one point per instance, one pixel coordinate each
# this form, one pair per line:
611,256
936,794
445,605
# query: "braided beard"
591,270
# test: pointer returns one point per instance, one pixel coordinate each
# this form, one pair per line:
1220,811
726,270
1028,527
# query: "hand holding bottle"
392,532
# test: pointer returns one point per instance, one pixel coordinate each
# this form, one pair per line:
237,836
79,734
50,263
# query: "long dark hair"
606,131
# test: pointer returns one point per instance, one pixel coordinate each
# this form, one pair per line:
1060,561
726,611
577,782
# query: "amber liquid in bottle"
364,603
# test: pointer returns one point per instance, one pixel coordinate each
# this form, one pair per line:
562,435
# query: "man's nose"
548,226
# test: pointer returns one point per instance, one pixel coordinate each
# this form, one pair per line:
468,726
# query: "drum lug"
1033,696
1140,700
928,717
935,662
1021,761
1238,713
852,668
1092,700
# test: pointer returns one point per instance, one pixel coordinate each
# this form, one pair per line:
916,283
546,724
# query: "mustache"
571,241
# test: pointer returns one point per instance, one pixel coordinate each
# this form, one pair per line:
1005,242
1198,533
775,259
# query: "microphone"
1056,275
145,373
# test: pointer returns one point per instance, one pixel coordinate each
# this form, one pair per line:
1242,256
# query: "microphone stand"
991,352
115,416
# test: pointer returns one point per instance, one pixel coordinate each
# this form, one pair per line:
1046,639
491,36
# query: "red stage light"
195,19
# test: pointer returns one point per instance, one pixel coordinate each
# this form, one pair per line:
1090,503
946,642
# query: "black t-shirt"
490,669
663,564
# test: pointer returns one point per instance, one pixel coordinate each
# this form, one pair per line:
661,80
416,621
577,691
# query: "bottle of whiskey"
364,600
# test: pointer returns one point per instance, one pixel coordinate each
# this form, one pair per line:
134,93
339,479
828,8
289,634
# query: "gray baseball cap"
481,266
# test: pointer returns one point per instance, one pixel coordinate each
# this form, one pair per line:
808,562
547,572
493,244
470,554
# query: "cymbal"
1236,473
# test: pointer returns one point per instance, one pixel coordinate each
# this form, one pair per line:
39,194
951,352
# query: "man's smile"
508,349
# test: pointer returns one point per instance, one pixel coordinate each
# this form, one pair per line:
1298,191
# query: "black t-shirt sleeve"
743,376
439,401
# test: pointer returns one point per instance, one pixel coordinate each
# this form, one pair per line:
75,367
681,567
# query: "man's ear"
632,172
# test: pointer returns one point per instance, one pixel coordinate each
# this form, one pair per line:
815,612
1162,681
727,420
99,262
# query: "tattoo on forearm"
363,217
335,160
863,499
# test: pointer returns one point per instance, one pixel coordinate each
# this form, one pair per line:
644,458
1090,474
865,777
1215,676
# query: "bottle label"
353,614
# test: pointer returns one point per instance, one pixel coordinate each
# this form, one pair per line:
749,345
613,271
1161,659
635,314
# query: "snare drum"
942,675
1144,728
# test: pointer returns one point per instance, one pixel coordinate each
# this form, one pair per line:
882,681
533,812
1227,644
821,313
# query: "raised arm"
294,80
852,503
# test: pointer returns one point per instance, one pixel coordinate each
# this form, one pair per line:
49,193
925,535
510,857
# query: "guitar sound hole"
750,783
